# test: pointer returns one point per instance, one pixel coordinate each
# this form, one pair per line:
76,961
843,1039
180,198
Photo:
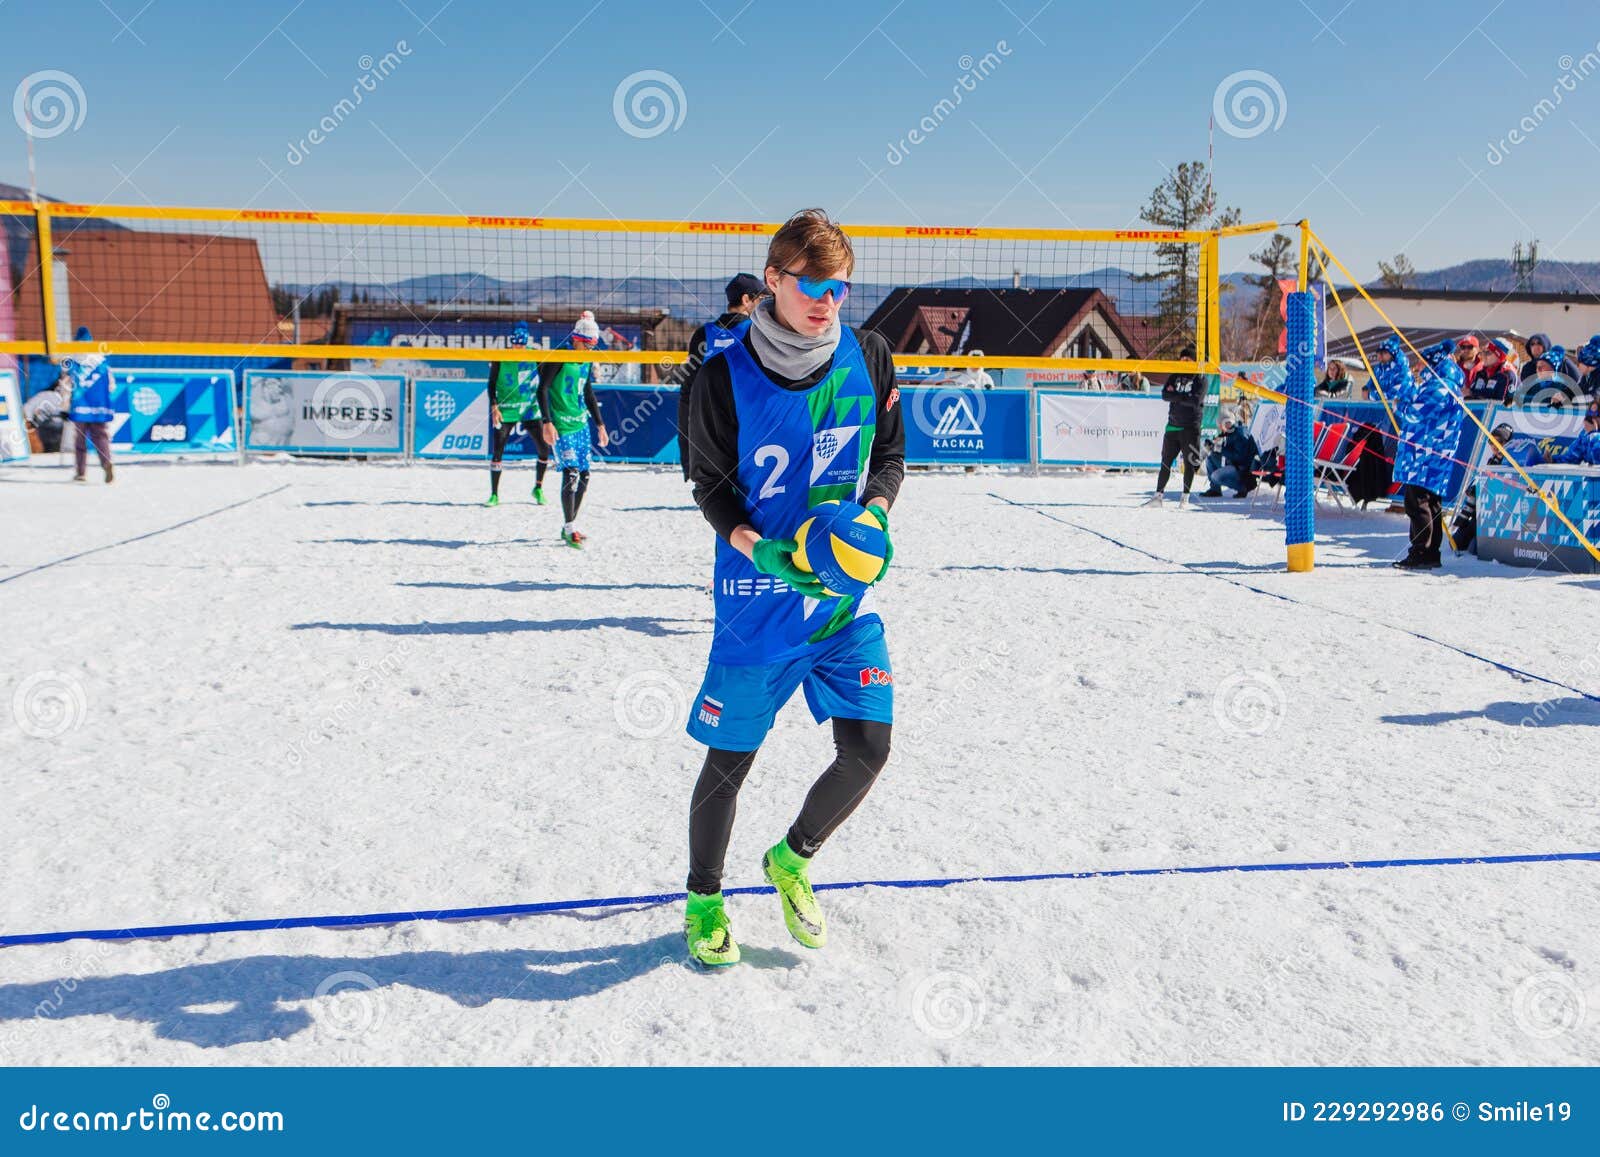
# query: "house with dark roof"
1050,323
153,286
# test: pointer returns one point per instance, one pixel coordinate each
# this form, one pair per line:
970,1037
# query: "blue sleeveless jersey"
796,448
719,338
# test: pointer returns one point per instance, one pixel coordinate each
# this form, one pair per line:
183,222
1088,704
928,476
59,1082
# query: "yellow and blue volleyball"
843,545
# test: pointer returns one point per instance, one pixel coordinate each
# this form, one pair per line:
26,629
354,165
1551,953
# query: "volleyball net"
304,284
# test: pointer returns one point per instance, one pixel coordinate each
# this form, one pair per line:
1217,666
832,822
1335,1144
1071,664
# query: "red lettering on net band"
938,231
724,227
507,222
278,215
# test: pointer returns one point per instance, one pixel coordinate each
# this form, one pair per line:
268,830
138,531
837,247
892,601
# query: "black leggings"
1188,442
862,750
500,435
574,484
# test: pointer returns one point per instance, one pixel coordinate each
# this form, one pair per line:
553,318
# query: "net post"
1299,500
1213,289
47,274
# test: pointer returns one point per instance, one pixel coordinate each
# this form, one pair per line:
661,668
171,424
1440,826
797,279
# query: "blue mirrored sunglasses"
817,288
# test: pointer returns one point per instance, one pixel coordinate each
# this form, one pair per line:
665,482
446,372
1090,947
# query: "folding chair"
1328,456
1335,473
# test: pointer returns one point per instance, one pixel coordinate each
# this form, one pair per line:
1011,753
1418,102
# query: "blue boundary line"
1506,667
164,931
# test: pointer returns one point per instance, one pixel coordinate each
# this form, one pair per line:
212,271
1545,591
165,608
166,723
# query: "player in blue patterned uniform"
798,411
742,292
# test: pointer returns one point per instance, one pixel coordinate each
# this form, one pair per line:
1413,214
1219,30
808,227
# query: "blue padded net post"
1300,519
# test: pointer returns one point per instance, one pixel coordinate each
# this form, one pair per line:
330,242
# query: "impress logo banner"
1100,429
324,413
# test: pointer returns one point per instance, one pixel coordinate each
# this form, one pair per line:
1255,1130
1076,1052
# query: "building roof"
145,285
1344,349
1000,322
1413,293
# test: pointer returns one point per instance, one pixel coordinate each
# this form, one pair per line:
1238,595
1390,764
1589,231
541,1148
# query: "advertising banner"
642,422
452,419
477,334
13,430
324,413
1517,528
161,411
949,425
1100,429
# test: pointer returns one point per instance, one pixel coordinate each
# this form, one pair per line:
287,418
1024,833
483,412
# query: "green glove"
842,617
882,516
775,557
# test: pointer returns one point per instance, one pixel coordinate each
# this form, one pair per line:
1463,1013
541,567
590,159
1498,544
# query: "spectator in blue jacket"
91,413
1549,377
1589,361
1585,449
1391,373
1236,454
1429,413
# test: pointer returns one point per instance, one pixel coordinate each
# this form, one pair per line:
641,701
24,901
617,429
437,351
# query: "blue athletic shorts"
572,450
846,677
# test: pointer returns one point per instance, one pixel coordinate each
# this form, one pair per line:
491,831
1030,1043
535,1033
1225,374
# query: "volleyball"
843,545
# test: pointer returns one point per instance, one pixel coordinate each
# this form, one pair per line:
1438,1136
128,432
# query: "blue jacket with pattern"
1430,414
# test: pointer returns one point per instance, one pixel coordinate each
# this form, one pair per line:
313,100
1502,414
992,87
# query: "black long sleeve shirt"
1185,395
712,433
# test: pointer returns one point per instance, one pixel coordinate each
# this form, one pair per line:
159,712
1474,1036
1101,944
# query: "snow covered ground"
305,689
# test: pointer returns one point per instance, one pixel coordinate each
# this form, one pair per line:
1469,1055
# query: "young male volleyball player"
798,411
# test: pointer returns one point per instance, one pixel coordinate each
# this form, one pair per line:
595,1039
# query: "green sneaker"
538,495
574,538
706,930
494,500
786,869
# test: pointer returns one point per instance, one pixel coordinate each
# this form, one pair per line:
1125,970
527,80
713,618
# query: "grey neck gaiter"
788,354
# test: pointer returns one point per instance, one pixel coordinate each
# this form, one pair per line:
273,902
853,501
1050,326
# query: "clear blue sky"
1388,111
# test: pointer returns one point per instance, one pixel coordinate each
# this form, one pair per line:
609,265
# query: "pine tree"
1398,274
1185,200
